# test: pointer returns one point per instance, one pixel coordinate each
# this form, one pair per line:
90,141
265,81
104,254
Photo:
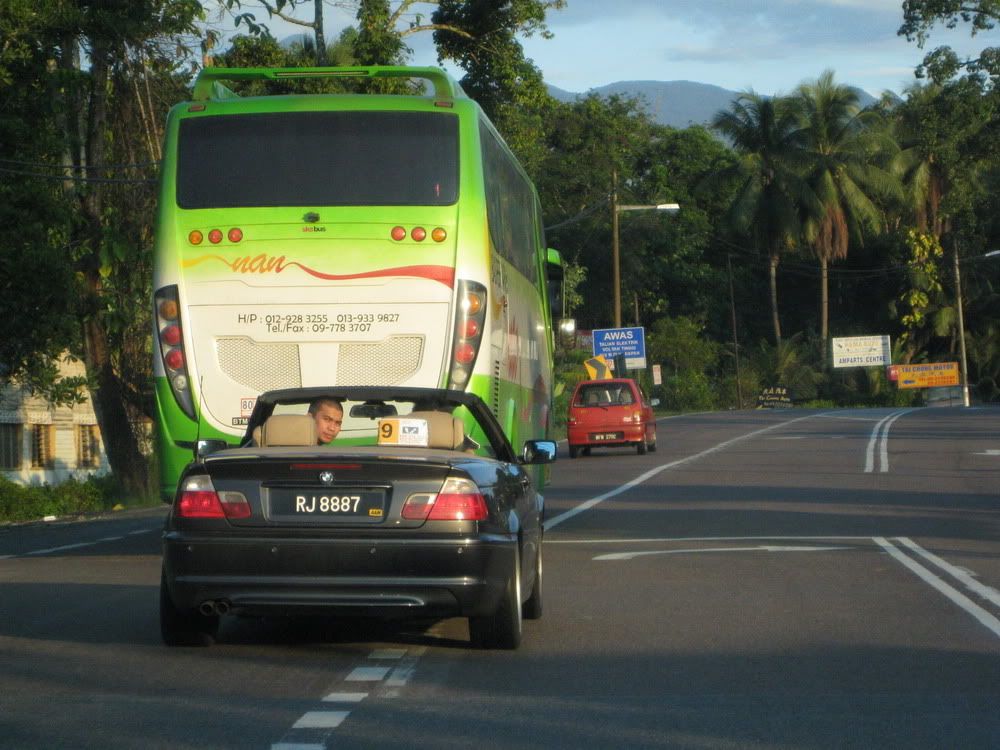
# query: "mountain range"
678,104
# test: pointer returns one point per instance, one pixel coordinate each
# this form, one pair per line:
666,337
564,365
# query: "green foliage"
690,392
378,42
72,497
678,345
925,284
507,85
920,17
788,364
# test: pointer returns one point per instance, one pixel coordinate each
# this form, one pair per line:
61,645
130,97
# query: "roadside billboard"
930,375
861,351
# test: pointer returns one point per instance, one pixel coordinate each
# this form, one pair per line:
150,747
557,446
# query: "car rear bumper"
584,435
364,577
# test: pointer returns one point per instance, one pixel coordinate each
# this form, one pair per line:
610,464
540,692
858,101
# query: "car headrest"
443,430
287,430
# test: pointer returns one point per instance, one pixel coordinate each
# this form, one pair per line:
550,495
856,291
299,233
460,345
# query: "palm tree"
841,156
762,131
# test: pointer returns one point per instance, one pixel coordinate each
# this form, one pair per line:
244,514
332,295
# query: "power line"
75,178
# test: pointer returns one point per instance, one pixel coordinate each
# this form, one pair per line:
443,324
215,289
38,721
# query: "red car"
610,412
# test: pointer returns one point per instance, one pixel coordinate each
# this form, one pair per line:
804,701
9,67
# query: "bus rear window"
318,159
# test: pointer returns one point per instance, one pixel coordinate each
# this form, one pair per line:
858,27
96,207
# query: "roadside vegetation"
803,216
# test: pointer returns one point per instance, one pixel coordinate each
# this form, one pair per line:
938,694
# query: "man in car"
329,416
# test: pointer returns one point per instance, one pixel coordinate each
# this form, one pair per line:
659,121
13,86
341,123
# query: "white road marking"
988,452
981,615
962,576
345,697
668,539
760,548
387,653
321,720
297,746
78,545
588,504
880,437
367,674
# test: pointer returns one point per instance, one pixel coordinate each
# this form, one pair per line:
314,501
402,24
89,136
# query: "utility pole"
736,343
961,330
616,271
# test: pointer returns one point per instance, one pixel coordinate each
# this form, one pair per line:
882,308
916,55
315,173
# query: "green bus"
343,239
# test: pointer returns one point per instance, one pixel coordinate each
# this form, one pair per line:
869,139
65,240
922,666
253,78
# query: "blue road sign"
622,342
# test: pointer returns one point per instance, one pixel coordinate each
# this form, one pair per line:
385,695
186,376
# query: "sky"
769,46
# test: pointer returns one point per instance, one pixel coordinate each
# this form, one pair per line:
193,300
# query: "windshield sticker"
397,431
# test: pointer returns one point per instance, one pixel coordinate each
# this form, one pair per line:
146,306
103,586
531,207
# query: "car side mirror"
538,452
204,447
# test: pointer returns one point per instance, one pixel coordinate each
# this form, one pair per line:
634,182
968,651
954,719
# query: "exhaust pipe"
208,608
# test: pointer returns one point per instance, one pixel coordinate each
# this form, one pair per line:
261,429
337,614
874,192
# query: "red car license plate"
606,436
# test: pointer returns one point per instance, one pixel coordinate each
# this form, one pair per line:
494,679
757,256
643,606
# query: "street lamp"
961,325
616,272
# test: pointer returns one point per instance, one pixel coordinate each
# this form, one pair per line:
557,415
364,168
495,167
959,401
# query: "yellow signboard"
930,375
598,368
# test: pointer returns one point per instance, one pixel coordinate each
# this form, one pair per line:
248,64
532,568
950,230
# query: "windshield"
318,159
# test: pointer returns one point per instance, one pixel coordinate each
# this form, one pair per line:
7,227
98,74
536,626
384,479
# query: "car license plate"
326,505
606,436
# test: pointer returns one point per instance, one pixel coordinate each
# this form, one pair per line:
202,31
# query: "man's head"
329,416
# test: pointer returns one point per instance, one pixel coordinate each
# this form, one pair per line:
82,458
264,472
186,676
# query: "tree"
771,195
507,86
104,233
587,141
941,64
840,161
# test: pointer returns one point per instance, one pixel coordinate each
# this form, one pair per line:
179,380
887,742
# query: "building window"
43,455
10,447
88,446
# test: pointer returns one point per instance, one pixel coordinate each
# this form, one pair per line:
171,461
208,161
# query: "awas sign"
622,342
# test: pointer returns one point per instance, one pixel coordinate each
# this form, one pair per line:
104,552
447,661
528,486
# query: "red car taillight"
458,500
200,500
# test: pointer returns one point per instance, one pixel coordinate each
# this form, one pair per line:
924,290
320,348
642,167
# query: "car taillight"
467,333
458,500
200,500
170,335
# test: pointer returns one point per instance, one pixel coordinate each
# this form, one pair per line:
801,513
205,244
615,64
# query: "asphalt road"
783,579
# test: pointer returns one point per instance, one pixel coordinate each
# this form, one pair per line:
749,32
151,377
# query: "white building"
41,443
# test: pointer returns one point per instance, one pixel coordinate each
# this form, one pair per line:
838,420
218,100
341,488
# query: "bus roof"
209,82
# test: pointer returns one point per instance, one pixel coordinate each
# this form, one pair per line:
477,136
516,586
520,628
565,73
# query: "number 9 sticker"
397,431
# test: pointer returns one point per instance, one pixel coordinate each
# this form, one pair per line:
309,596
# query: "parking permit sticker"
402,431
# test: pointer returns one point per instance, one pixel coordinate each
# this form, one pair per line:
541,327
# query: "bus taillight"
196,237
235,235
470,315
398,233
439,234
170,339
171,335
215,236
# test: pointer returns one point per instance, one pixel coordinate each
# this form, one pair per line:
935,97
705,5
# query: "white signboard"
861,351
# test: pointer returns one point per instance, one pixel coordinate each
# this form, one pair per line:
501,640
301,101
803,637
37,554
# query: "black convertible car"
419,507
